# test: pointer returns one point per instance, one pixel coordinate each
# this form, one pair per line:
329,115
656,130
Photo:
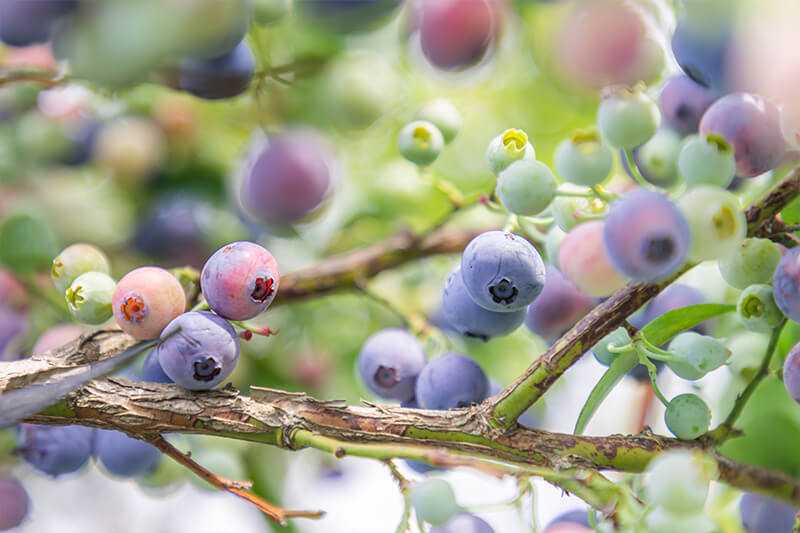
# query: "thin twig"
241,489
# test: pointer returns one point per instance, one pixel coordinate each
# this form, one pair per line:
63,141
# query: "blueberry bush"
321,224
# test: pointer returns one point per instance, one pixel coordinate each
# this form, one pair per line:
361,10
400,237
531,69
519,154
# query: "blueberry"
240,280
646,236
464,523
444,115
584,159
502,271
55,450
683,102
758,310
687,416
25,22
765,515
14,503
456,34
152,371
420,142
791,373
678,481
56,337
389,362
754,262
290,178
559,307
752,126
696,355
717,222
470,319
582,257
75,260
657,159
124,456
526,187
89,297
198,350
786,285
434,501
451,380
13,325
224,76
574,521
511,145
702,44
131,147
707,160
145,301
627,117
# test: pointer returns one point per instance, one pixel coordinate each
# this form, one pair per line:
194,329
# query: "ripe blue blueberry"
765,515
14,503
25,22
464,523
574,521
240,280
752,126
646,236
389,362
560,305
198,350
786,285
451,380
470,319
122,455
502,271
683,102
55,450
218,77
701,44
791,373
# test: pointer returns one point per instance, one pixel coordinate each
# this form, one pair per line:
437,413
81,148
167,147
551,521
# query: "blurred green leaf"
26,243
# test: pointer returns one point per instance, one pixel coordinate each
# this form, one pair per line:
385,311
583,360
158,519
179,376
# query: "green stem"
201,306
613,348
652,347
637,175
652,371
725,430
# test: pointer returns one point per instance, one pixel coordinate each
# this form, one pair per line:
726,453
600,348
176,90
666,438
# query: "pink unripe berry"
146,300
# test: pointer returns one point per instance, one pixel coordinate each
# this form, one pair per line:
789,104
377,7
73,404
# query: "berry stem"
725,430
652,371
273,512
636,173
655,351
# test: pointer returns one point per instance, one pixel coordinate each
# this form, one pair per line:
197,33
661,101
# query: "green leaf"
658,332
621,366
666,326
26,243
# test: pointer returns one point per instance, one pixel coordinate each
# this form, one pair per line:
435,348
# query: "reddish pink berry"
146,300
240,280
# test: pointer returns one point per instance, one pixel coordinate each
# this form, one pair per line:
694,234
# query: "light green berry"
526,187
420,142
511,145
627,117
758,310
73,261
434,501
717,222
754,262
443,114
687,416
89,297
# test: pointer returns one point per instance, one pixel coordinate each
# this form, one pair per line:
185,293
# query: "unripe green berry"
696,355
266,12
678,480
552,243
758,310
511,145
420,142
569,211
526,187
687,416
754,262
73,261
434,501
584,159
89,297
618,337
443,114
717,222
706,160
627,117
658,157
747,350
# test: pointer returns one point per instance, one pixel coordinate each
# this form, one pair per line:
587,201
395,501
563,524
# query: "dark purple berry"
451,380
389,362
55,450
683,102
124,456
